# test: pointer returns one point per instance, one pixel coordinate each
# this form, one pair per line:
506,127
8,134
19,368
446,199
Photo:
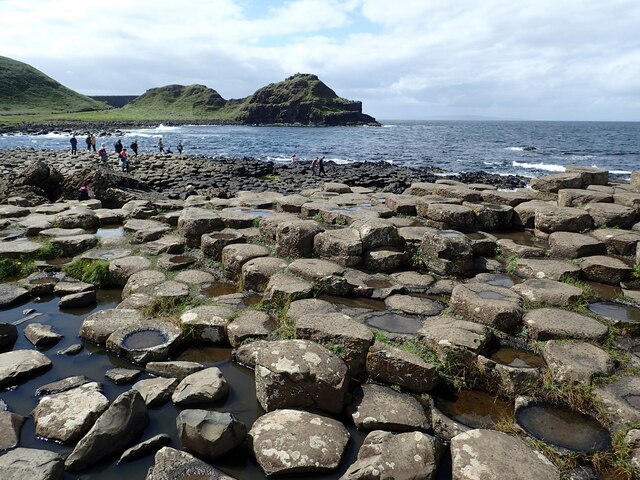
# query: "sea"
522,148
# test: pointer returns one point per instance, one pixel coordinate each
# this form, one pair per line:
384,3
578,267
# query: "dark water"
493,146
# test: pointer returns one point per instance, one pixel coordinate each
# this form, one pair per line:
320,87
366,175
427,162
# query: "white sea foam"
539,166
389,126
163,128
515,149
620,172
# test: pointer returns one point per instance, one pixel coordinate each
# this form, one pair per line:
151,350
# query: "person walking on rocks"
124,160
74,144
103,155
118,147
134,147
314,167
180,148
190,191
93,142
294,158
321,171
160,145
88,142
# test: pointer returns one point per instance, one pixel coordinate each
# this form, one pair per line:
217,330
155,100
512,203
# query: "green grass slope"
26,90
176,101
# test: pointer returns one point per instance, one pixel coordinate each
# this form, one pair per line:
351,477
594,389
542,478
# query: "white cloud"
574,59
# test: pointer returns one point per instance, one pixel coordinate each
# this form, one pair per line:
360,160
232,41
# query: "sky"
404,59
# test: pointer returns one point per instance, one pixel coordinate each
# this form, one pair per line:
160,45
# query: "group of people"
317,165
161,149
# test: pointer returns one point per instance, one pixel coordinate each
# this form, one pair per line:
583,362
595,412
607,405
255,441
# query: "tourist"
118,146
293,158
83,194
314,166
88,142
93,142
74,144
90,190
103,155
124,162
190,192
180,148
160,145
134,147
321,167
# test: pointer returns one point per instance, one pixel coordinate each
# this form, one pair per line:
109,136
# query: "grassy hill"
190,101
26,90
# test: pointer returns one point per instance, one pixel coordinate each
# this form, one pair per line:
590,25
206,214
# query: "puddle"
355,302
616,311
182,259
514,357
501,281
252,299
391,322
490,295
564,428
59,261
475,409
219,289
110,232
223,236
605,292
143,339
378,283
206,355
525,238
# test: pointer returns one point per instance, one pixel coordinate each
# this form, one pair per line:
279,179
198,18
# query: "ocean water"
503,147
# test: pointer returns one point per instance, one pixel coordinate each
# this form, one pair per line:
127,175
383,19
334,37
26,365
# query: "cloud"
543,60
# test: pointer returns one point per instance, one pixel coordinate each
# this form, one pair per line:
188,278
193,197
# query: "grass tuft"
95,272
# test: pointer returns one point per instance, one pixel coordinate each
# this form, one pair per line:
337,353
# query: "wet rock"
394,366
300,373
98,326
574,245
115,430
398,456
78,300
605,269
207,324
554,323
10,427
548,292
447,253
204,386
342,246
297,442
491,454
155,391
145,341
68,416
171,464
143,449
338,332
487,304
62,385
20,364
123,268
173,369
8,336
31,464
576,362
249,324
444,427
257,272
413,305
209,434
11,294
194,222
550,269
234,256
377,407
122,376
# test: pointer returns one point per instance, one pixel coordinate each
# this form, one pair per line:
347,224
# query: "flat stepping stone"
257,272
547,269
20,364
143,231
287,288
145,341
611,215
487,304
106,254
145,448
122,376
67,416
166,244
209,434
376,407
98,326
122,268
575,361
29,463
194,222
10,428
173,369
383,259
605,269
173,262
297,442
621,399
413,305
249,324
172,464
71,288
194,277
62,385
509,248
207,324
549,219
574,245
12,294
212,244
343,246
141,281
41,335
491,454
62,232
78,300
170,289
73,245
548,292
234,256
557,324
618,241
327,275
13,211
414,282
446,333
